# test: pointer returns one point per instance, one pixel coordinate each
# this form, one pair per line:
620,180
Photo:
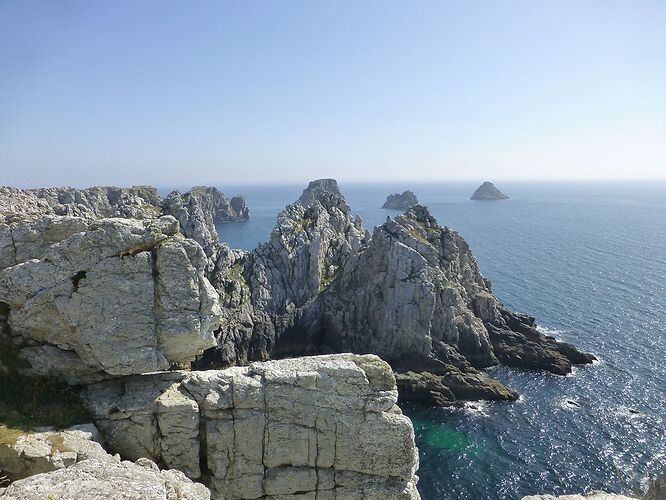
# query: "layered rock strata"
325,426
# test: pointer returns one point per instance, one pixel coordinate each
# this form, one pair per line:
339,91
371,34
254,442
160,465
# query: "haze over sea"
588,260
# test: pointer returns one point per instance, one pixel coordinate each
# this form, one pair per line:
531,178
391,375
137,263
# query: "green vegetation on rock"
39,402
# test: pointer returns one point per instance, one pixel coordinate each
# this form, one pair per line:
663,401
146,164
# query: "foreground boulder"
84,300
325,426
26,453
109,478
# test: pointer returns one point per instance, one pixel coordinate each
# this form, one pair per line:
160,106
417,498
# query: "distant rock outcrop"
488,191
400,201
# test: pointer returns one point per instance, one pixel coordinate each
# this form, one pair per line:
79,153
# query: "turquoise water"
589,262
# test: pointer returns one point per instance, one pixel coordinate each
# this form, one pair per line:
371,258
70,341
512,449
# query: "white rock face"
295,428
90,299
37,452
95,479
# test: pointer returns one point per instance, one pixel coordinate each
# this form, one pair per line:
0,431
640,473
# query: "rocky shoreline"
233,367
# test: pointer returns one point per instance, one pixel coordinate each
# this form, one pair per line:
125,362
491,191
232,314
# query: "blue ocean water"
588,260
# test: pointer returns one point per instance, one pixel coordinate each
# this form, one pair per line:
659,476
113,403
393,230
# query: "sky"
178,93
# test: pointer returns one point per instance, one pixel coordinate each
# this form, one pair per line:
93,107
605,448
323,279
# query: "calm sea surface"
589,262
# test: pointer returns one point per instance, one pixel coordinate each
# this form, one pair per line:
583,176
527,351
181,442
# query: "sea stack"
399,201
488,191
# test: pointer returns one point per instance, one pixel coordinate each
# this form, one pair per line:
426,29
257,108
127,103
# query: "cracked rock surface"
108,297
108,478
294,428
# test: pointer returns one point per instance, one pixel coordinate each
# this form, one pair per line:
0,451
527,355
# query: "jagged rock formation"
109,297
657,489
412,293
399,201
95,478
137,202
325,426
488,191
264,291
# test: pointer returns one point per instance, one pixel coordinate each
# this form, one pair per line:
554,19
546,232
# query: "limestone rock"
108,297
411,293
324,425
402,201
137,202
488,191
29,453
114,480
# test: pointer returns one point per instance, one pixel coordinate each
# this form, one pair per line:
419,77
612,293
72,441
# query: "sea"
588,260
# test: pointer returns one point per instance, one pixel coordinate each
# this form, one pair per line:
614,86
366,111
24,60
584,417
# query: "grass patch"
9,435
418,236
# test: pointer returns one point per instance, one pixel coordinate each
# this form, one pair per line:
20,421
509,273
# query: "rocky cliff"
399,201
488,191
108,297
136,202
325,426
111,304
411,292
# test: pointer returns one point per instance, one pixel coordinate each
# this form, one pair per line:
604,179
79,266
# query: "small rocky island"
488,191
399,201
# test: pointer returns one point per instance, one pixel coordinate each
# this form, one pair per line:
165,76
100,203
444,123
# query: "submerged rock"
488,191
399,201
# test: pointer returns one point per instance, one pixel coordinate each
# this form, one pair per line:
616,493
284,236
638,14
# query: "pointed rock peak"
421,214
488,191
319,190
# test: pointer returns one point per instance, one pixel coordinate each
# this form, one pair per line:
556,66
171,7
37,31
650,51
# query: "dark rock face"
488,191
400,201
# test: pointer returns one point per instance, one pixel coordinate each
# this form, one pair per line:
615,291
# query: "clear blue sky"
182,92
